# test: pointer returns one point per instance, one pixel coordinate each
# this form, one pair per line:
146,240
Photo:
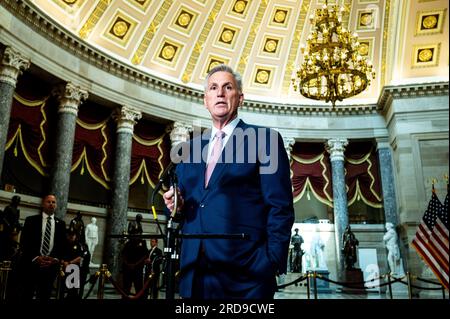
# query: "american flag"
431,239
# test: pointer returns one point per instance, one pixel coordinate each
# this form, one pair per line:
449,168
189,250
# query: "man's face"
49,204
222,97
153,243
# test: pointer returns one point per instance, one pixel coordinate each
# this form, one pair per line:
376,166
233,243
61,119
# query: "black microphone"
169,171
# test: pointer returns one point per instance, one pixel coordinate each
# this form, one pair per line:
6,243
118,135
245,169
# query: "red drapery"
92,148
362,174
311,170
94,142
28,129
149,152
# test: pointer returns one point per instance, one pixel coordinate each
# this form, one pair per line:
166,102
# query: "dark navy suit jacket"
32,236
238,199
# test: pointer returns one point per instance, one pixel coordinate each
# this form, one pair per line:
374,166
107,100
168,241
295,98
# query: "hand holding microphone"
169,199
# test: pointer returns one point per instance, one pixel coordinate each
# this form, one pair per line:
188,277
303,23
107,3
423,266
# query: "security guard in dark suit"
153,265
134,254
42,254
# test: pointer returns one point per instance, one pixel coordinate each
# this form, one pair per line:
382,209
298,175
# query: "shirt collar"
45,215
227,129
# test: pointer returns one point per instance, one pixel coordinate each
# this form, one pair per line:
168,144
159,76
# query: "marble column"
11,65
389,196
336,148
70,97
126,118
387,182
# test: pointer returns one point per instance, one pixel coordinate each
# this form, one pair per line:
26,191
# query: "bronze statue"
296,252
350,245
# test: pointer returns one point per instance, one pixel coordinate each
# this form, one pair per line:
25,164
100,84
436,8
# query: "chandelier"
332,67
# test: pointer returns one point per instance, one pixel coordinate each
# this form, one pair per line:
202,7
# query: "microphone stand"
170,249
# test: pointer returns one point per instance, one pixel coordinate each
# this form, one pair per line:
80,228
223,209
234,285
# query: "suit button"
202,205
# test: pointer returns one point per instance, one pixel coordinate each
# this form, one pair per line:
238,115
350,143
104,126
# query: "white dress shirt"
227,129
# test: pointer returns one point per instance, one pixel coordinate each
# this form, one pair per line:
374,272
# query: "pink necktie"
217,149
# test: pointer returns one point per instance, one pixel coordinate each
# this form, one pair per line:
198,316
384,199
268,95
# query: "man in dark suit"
153,265
43,241
241,185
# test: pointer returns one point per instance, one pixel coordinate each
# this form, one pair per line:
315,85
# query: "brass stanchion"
307,284
390,285
315,284
60,283
5,268
408,278
101,282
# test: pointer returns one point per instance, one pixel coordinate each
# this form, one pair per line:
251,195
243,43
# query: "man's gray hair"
225,68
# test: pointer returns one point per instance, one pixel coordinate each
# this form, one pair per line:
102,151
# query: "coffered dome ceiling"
180,40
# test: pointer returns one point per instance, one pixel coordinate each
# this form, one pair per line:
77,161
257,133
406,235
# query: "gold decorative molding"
366,20
347,5
270,46
366,47
430,22
227,36
70,6
263,76
168,52
141,4
425,55
120,28
384,42
184,20
154,25
201,40
211,62
38,22
239,8
280,16
293,52
94,18
243,59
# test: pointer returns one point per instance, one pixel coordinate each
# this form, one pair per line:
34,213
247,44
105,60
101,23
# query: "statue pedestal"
323,286
355,280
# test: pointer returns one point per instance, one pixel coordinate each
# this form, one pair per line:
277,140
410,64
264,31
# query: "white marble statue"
91,233
390,240
317,248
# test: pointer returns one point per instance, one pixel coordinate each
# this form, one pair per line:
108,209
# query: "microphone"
168,172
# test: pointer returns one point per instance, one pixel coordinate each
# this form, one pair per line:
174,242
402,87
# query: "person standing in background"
43,241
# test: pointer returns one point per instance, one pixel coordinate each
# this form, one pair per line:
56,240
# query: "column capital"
12,65
179,132
382,142
336,148
70,97
126,117
288,144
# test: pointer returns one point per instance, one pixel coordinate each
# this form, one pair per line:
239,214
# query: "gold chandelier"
332,67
